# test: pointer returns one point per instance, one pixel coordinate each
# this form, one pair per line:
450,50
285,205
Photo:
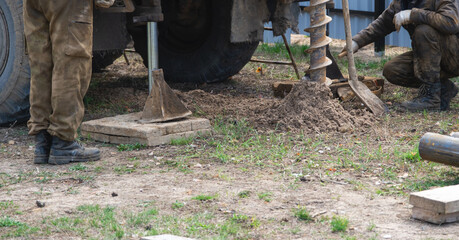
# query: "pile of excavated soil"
311,108
308,108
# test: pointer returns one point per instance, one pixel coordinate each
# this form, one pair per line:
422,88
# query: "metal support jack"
162,104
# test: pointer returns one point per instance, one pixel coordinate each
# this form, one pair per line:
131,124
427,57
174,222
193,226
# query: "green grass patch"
339,224
5,205
251,222
10,228
302,214
265,196
123,170
182,141
177,205
244,194
78,167
279,50
204,198
131,147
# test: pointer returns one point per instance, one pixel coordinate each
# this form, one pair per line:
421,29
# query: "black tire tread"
15,106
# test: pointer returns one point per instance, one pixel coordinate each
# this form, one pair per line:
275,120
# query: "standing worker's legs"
36,28
71,37
67,26
72,53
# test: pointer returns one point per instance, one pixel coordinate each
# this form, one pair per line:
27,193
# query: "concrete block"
128,129
438,205
165,237
198,124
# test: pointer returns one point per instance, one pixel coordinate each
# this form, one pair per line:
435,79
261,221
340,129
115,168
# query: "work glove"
355,48
104,3
402,18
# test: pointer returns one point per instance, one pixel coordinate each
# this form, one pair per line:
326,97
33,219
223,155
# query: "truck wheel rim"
4,42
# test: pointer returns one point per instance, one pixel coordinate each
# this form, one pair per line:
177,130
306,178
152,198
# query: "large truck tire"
194,42
103,59
14,68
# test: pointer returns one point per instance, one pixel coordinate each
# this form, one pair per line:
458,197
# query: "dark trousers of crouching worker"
59,44
435,58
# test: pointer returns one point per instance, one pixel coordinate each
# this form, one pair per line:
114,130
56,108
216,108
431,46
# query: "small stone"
387,236
114,194
11,142
40,204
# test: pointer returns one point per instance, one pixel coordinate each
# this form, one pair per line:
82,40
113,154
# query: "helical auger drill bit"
319,40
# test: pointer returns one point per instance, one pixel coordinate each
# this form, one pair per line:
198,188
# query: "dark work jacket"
442,15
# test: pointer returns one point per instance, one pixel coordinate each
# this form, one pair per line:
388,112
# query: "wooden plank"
443,200
434,217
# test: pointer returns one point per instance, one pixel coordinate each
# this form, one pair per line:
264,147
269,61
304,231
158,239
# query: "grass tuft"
339,224
131,147
302,214
204,198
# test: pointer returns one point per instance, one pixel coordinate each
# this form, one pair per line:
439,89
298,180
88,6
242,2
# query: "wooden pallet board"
440,205
127,129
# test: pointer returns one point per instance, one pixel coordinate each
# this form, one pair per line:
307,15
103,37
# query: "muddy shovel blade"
368,98
361,90
162,104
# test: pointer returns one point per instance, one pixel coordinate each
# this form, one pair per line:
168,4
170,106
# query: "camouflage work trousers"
435,58
59,44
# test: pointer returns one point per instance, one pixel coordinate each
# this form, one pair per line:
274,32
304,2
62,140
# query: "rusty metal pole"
319,40
439,148
291,56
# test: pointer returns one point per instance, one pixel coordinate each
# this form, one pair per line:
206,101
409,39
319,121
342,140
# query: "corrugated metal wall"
358,23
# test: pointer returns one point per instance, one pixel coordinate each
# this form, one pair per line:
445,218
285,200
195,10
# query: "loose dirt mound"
308,108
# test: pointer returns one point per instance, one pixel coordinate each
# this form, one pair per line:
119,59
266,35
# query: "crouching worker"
59,44
434,29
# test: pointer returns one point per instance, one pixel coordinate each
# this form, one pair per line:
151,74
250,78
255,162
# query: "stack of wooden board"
440,205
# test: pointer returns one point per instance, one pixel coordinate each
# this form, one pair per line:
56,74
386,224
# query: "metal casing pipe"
440,148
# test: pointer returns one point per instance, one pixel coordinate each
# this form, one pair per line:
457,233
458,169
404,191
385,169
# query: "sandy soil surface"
293,181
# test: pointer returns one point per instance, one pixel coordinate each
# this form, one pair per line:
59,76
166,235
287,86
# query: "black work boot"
42,147
428,98
448,91
63,152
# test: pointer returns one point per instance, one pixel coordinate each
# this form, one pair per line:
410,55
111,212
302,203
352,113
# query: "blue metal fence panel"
358,22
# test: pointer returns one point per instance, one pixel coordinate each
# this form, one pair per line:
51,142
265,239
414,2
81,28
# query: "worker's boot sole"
60,160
